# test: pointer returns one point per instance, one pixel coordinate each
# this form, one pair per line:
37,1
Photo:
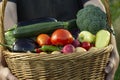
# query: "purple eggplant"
24,45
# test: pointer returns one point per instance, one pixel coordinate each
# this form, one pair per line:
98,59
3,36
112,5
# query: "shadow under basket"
88,65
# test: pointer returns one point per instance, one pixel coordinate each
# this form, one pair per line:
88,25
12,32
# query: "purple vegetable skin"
69,48
76,43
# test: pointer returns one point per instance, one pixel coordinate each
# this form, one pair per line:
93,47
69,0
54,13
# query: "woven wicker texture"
88,65
77,66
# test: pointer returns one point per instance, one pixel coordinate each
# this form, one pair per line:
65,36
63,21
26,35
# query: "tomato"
61,37
43,39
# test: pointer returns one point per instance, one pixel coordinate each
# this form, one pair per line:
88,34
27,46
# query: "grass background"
115,14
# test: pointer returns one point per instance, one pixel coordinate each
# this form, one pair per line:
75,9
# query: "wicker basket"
88,65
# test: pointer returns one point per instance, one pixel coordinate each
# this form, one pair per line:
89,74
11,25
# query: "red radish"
86,45
69,48
37,50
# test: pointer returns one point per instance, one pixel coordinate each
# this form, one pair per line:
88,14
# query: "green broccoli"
91,18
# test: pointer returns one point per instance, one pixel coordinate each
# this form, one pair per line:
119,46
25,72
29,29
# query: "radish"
69,48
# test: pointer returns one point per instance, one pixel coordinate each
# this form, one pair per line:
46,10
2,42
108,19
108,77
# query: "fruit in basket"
86,45
86,36
76,43
80,49
93,48
24,45
56,52
43,39
69,48
37,50
102,38
61,37
43,52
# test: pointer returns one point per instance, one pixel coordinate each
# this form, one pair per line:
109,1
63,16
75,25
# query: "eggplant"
24,45
37,20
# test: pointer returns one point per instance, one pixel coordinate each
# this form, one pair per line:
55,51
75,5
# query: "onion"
69,48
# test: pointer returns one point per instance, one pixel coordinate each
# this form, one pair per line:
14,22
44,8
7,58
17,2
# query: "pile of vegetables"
47,35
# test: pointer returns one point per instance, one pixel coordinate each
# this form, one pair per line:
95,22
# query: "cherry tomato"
61,37
43,39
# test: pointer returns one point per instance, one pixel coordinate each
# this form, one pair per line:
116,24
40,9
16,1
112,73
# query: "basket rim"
34,56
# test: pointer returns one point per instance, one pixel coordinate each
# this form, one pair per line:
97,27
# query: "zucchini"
35,29
37,20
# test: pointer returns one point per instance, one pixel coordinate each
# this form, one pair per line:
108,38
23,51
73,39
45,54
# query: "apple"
86,36
86,45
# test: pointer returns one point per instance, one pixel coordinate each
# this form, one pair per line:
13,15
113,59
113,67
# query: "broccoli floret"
91,18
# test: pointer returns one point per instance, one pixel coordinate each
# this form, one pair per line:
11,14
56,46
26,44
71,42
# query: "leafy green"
9,38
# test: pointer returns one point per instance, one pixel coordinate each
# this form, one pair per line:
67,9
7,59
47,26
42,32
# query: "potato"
80,49
93,48
43,52
56,52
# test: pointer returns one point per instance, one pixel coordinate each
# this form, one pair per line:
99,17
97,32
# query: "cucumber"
35,29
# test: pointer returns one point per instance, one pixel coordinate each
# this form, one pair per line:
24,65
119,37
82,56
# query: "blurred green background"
115,14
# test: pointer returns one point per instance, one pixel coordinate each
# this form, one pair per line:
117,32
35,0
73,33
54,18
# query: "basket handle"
107,8
2,10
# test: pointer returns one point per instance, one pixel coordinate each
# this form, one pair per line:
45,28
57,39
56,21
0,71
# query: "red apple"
86,45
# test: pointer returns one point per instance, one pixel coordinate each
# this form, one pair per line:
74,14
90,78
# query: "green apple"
86,36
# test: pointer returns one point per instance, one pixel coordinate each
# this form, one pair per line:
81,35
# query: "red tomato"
61,37
43,39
